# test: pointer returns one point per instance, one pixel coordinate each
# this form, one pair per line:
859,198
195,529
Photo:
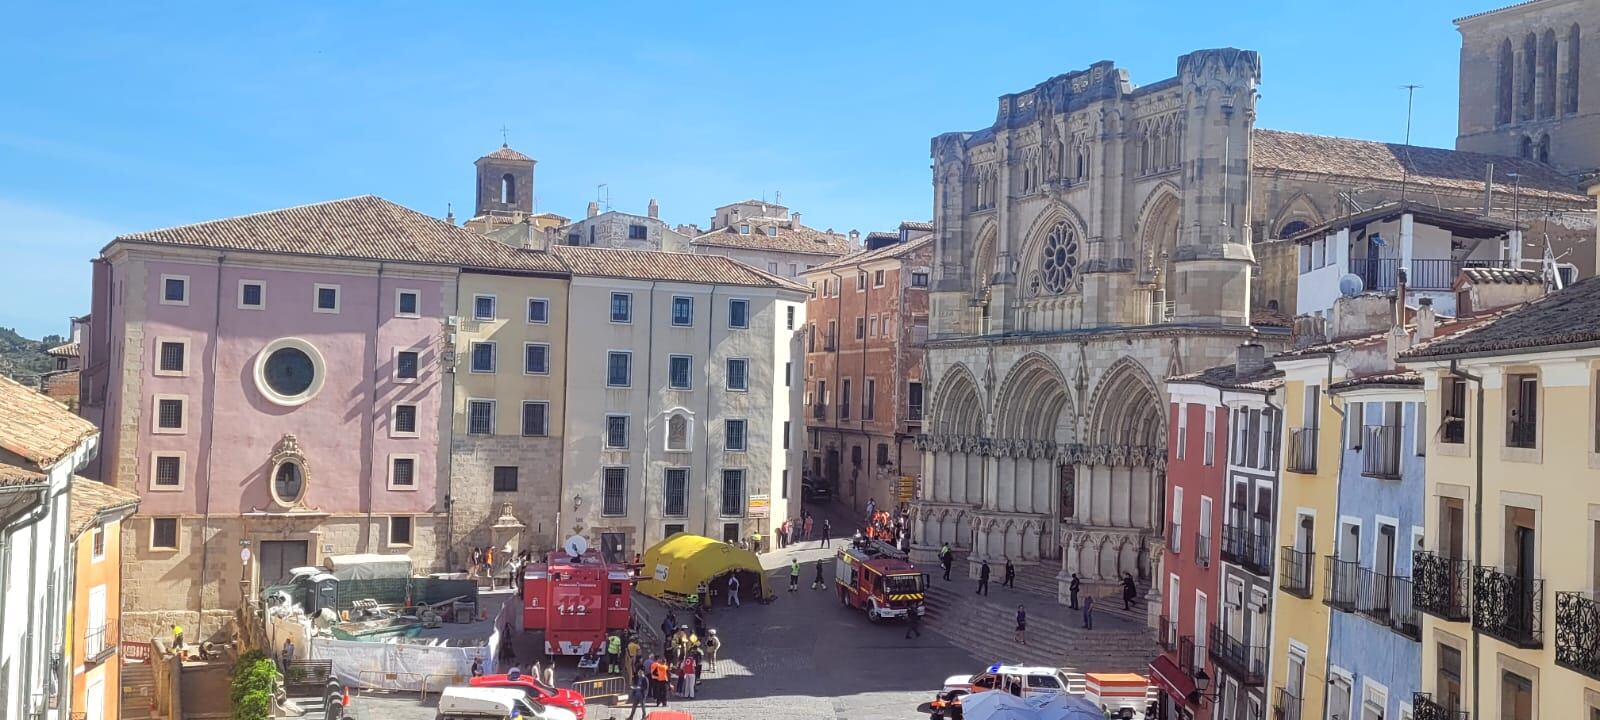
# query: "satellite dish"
576,546
1351,285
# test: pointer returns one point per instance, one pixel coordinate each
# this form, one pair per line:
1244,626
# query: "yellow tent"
675,567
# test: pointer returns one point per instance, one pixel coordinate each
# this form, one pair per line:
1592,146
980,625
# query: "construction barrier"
602,688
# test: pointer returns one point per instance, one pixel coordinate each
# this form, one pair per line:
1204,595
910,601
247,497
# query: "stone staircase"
137,686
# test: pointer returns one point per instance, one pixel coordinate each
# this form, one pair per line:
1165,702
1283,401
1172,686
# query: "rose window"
1058,262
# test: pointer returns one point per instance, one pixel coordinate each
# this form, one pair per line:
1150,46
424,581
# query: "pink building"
279,380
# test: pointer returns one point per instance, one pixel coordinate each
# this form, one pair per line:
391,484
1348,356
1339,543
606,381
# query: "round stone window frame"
272,482
1058,260
319,367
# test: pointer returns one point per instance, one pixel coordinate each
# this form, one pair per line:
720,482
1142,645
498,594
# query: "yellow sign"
905,488
760,506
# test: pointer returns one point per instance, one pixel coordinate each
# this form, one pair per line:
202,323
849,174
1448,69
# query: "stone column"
1121,496
976,481
936,485
1005,484
1104,495
991,482
1143,503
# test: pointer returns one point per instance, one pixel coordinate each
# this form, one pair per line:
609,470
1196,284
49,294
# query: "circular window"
288,483
1058,263
289,371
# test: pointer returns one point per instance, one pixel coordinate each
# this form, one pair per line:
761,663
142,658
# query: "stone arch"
957,405
988,248
1299,208
1160,222
1127,408
1034,402
1030,260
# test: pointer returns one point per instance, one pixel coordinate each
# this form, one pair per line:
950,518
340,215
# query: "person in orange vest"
659,677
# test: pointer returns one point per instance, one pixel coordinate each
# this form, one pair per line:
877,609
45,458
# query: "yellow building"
1508,576
506,434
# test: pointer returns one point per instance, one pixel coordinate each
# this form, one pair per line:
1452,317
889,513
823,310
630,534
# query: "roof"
16,476
1223,376
67,350
1503,276
1397,378
1457,222
788,238
1565,317
667,266
897,250
365,227
89,499
37,428
1328,348
504,152
1502,8
1450,170
917,226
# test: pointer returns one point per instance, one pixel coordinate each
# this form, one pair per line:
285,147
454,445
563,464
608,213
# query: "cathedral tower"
505,183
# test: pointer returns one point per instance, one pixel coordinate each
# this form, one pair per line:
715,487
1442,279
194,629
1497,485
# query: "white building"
617,229
768,237
41,445
682,397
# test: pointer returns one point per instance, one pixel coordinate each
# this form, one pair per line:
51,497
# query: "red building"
866,323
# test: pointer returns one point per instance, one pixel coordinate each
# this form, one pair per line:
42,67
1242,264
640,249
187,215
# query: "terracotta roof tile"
1565,317
897,250
504,152
16,475
788,239
88,499
917,226
1222,376
67,350
1449,170
1503,276
666,266
1399,378
365,227
37,428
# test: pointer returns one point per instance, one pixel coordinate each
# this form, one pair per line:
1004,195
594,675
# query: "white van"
481,703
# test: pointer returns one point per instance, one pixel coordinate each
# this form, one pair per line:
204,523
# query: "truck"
874,576
576,599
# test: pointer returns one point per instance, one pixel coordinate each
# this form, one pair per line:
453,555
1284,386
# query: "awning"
1171,679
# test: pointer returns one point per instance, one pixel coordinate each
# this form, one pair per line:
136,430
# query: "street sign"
905,488
760,506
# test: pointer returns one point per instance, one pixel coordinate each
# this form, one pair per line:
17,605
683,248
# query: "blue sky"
133,116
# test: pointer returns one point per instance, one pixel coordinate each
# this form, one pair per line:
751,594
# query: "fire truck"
576,599
875,576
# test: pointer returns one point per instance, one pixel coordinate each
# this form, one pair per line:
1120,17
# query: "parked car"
565,698
492,703
814,492
1020,680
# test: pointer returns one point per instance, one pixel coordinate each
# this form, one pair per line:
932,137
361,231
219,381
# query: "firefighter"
614,653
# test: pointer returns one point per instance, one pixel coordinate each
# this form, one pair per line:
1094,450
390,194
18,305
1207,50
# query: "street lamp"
1202,682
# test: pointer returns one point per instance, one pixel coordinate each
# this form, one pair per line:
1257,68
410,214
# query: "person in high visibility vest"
794,574
614,653
659,675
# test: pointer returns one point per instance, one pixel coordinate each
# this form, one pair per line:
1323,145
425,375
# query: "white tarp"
998,705
397,666
370,566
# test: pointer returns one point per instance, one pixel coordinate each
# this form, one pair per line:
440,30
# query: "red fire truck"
576,598
875,576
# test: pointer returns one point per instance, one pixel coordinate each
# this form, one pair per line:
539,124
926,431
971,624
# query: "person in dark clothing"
641,683
1073,588
913,623
946,559
1130,592
983,578
827,532
1011,575
1022,625
818,584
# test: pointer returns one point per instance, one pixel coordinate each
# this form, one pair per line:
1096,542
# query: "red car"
565,698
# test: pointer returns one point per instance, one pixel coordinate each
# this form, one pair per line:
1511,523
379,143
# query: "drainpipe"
210,434
644,435
705,421
369,433
870,460
447,404
1477,515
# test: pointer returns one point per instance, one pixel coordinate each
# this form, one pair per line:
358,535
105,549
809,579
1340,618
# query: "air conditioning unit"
453,321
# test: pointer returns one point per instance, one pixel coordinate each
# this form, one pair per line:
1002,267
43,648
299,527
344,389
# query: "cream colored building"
682,398
769,237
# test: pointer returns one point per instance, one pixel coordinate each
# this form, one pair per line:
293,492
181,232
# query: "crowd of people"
689,651
804,528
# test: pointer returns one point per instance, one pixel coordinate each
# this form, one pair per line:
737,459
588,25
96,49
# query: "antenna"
777,197
602,195
1405,168
505,136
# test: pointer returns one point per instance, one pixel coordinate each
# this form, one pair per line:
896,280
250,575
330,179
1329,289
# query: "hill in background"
24,360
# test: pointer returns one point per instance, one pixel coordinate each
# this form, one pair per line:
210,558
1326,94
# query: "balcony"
1424,707
830,343
1578,633
1423,274
1403,617
1522,433
914,412
1202,549
1245,662
1453,430
1295,577
1235,544
1175,536
1380,457
1303,450
1286,705
819,411
1166,629
95,647
1440,586
1248,548
1189,658
1374,595
1508,607
1340,583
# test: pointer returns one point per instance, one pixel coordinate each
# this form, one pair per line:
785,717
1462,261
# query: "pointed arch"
988,248
1504,72
1160,222
1031,258
1128,408
1299,208
957,404
1034,402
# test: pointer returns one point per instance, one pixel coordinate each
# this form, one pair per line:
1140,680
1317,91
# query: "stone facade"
614,228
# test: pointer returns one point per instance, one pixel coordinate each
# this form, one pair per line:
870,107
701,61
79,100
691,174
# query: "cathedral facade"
1094,240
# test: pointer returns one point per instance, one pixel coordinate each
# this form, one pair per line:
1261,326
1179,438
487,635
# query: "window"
1175,537
914,400
169,414
678,377
1419,429
483,357
772,267
732,492
535,418
172,357
869,400
795,269
676,489
252,295
1354,422
405,365
738,374
405,419
872,326
1182,439
861,280
789,317
1522,410
405,303
738,313
877,278
744,229
164,533
883,454
400,531
788,372
619,368
772,231
1453,426
169,472
1574,41
919,279
327,299
402,471
536,359
98,543
831,342
614,496
733,436
1209,451
538,311
505,478
638,232
480,417
786,428
621,308
616,432
861,328
483,307
1503,83
678,433
174,289
844,400
682,311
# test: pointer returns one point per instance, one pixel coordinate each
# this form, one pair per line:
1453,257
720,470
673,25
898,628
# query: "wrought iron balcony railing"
1303,450
1295,577
1508,607
1403,617
1202,549
914,412
1578,633
1522,433
1188,655
1235,544
1286,705
1380,457
94,643
1175,537
1259,556
1166,633
1439,586
1339,586
1245,662
1424,707
819,411
1454,431
1373,595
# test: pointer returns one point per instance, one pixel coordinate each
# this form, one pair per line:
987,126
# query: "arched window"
1058,261
1530,73
1525,151
1503,83
1083,162
1572,70
1293,228
1542,153
1144,151
508,189
678,433
1547,75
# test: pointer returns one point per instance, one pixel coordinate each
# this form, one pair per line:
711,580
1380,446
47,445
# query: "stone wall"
476,506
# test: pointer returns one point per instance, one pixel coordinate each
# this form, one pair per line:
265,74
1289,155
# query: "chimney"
794,219
1425,319
855,238
654,210
1249,360
594,208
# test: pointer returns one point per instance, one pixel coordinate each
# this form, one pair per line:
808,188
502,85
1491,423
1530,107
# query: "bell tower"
505,183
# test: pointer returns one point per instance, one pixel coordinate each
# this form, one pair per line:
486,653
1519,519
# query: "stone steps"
137,686
1040,580
985,628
